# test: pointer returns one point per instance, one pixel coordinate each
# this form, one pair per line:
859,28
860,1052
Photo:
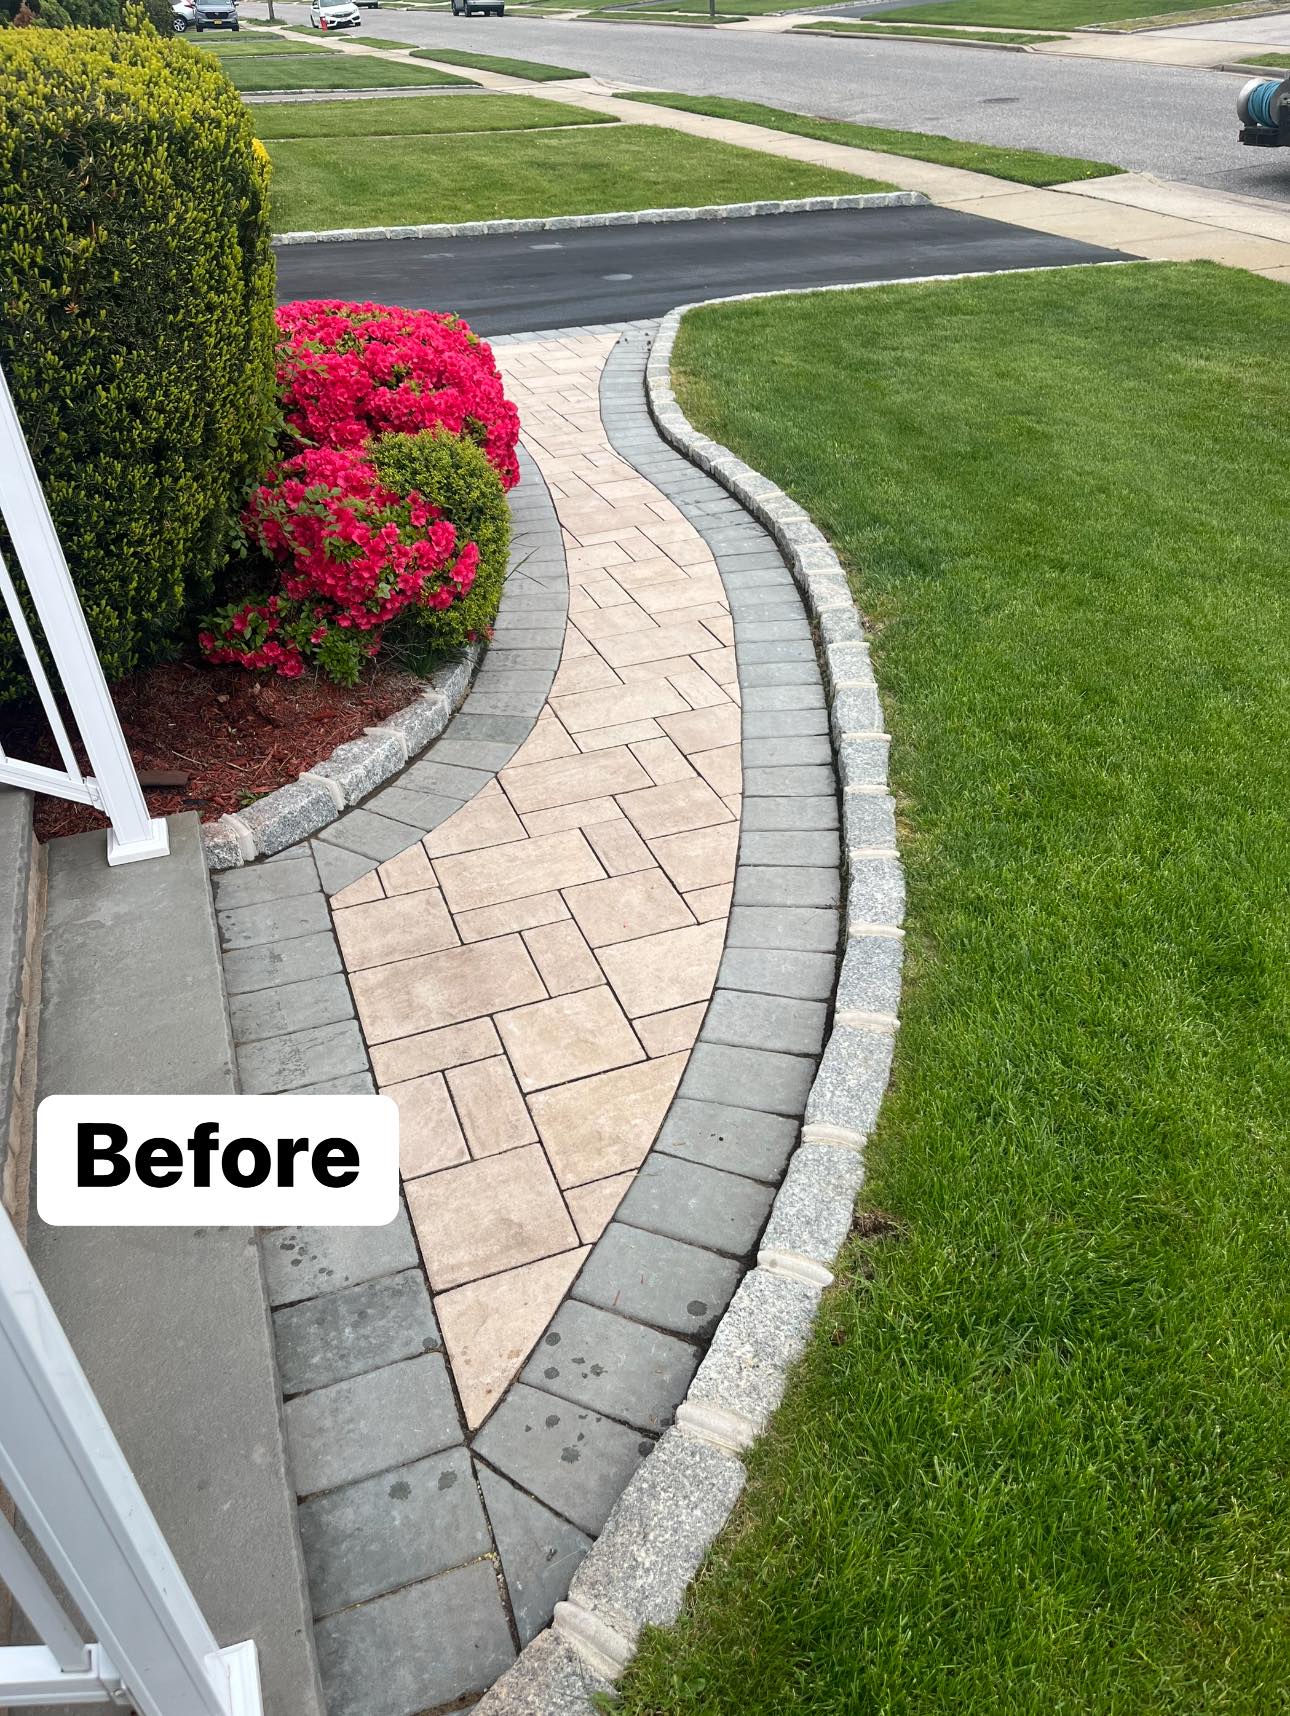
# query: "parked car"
215,15
183,16
468,8
334,15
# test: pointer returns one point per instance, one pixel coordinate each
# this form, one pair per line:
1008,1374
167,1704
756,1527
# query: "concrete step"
21,904
172,1324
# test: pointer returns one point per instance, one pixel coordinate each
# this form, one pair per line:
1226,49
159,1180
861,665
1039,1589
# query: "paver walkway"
530,978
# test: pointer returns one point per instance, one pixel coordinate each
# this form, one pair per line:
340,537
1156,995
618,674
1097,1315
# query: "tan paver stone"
584,815
623,907
669,1033
547,741
719,664
360,892
581,673
662,761
699,858
720,625
444,988
567,780
606,1124
535,866
595,559
489,1215
694,592
673,808
601,738
570,1037
432,1051
490,1107
617,616
618,704
563,957
703,729
698,690
400,928
619,848
659,570
409,873
685,638
510,916
722,769
485,822
490,1327
659,972
429,1136
709,903
632,672
605,595
592,1205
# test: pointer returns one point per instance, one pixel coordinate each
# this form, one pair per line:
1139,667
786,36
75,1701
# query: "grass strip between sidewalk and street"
1277,62
400,181
1025,166
1034,1457
416,116
265,74
898,33
231,47
530,69
1043,14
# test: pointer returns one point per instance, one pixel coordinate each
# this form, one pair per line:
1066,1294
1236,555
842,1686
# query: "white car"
334,15
183,16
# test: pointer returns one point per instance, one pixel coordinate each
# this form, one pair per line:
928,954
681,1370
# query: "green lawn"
1039,14
1026,166
1278,62
414,115
231,47
531,69
753,8
1018,38
1034,1460
578,170
339,71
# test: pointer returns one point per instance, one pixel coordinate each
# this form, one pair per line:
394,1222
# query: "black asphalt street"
514,283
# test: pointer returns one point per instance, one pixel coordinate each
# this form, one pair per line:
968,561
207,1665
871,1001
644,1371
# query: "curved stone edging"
357,768
626,217
681,1496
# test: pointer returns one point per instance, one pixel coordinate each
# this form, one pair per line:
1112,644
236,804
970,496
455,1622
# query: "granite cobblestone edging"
324,801
616,217
679,1498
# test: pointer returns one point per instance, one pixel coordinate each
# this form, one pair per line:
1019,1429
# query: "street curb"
681,1496
625,217
931,41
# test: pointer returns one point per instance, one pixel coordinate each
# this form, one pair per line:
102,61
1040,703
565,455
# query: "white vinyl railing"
151,1648
113,787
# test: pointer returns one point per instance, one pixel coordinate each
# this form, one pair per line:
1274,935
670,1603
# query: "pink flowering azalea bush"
352,554
350,371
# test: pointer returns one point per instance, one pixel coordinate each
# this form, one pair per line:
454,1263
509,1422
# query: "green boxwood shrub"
136,319
455,474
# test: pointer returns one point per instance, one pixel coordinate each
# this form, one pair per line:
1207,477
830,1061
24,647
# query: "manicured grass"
1026,166
1278,62
1034,1458
1018,38
378,42
531,69
745,8
577,170
231,47
1039,14
335,71
414,115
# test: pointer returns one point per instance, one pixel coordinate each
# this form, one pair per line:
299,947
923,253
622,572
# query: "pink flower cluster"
353,554
348,371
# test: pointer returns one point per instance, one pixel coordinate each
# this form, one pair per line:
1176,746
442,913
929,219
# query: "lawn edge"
680,1498
621,217
932,41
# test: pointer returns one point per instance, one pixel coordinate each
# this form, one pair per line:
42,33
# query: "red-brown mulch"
231,734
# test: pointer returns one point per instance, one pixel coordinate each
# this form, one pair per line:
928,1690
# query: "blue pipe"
1259,102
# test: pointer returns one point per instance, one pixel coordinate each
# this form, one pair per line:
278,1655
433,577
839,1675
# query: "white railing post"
115,785
152,1649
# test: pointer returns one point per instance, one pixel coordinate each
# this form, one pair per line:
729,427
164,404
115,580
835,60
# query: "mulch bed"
220,736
